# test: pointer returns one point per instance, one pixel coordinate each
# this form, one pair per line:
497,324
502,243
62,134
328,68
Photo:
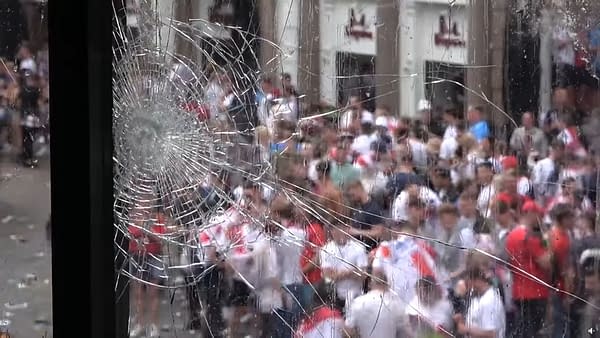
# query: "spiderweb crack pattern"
165,150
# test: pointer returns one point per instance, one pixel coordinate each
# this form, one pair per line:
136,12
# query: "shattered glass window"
332,168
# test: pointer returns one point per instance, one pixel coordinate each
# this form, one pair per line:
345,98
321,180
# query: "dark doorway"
226,48
356,76
523,62
13,28
445,93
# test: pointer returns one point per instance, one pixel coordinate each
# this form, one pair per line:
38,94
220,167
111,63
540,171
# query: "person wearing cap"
485,315
528,252
400,205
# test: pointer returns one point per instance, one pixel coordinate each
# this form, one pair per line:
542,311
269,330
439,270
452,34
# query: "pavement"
25,255
25,258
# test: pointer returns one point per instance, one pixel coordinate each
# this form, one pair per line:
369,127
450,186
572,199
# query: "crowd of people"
379,226
24,104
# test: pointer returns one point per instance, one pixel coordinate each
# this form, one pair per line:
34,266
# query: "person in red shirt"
530,263
559,238
309,261
145,248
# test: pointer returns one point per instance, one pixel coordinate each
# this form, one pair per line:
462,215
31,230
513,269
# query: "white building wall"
410,70
166,36
335,16
419,24
327,55
287,26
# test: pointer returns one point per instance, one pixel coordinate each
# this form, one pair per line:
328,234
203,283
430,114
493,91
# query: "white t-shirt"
348,116
419,153
400,205
434,316
266,192
242,253
291,244
362,143
524,186
448,148
450,132
322,326
404,261
377,314
267,273
542,180
566,53
345,257
483,200
213,239
487,313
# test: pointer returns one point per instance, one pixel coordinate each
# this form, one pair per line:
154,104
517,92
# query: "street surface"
25,257
25,263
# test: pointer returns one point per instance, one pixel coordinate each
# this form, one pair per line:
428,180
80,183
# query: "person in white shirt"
429,311
400,204
545,173
362,143
485,177
406,259
374,167
350,119
485,315
323,320
448,149
241,237
378,313
268,287
343,263
290,242
564,56
451,119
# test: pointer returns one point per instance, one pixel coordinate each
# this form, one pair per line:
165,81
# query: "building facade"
396,52
423,43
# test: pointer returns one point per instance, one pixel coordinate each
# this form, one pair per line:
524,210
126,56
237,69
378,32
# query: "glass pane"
279,165
26,267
